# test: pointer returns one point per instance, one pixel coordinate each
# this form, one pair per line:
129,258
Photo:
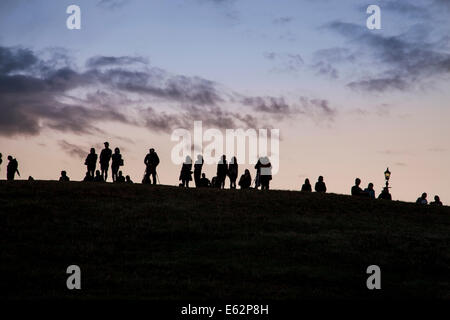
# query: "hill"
161,242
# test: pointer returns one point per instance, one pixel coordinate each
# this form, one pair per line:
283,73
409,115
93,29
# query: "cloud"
73,149
402,60
101,61
38,94
285,62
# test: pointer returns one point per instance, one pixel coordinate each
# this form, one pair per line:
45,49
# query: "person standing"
233,172
117,162
222,171
186,172
91,162
151,162
12,168
198,170
265,173
105,156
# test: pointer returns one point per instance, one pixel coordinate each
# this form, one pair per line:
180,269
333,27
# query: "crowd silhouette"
224,170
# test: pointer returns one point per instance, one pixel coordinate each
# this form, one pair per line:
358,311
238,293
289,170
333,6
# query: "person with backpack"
12,168
91,162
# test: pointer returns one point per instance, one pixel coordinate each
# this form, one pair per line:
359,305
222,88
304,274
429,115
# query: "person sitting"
422,199
64,176
436,202
385,195
120,178
88,177
128,179
306,187
320,185
98,177
370,191
246,180
204,182
356,190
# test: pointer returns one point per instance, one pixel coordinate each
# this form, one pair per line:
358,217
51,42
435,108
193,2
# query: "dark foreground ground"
135,241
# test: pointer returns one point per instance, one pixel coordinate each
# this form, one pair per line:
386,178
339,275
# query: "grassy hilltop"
160,242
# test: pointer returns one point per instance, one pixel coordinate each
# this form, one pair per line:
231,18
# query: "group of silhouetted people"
12,168
106,155
224,169
423,200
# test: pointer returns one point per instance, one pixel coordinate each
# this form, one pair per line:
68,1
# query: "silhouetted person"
186,172
30,178
320,185
64,177
128,180
233,172
1,161
422,199
12,168
215,183
151,162
91,162
222,171
246,180
98,177
88,177
356,190
385,195
105,156
204,182
306,187
436,202
116,163
120,178
258,174
370,191
265,172
198,169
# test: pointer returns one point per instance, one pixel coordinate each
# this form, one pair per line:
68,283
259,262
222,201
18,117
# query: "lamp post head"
387,174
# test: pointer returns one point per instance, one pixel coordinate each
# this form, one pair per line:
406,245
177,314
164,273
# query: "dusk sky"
348,101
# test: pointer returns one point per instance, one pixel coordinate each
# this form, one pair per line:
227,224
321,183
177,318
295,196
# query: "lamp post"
387,175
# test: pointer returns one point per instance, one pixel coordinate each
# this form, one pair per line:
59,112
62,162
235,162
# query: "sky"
348,101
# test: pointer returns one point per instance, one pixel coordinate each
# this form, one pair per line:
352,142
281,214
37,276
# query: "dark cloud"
268,104
101,61
402,62
36,94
